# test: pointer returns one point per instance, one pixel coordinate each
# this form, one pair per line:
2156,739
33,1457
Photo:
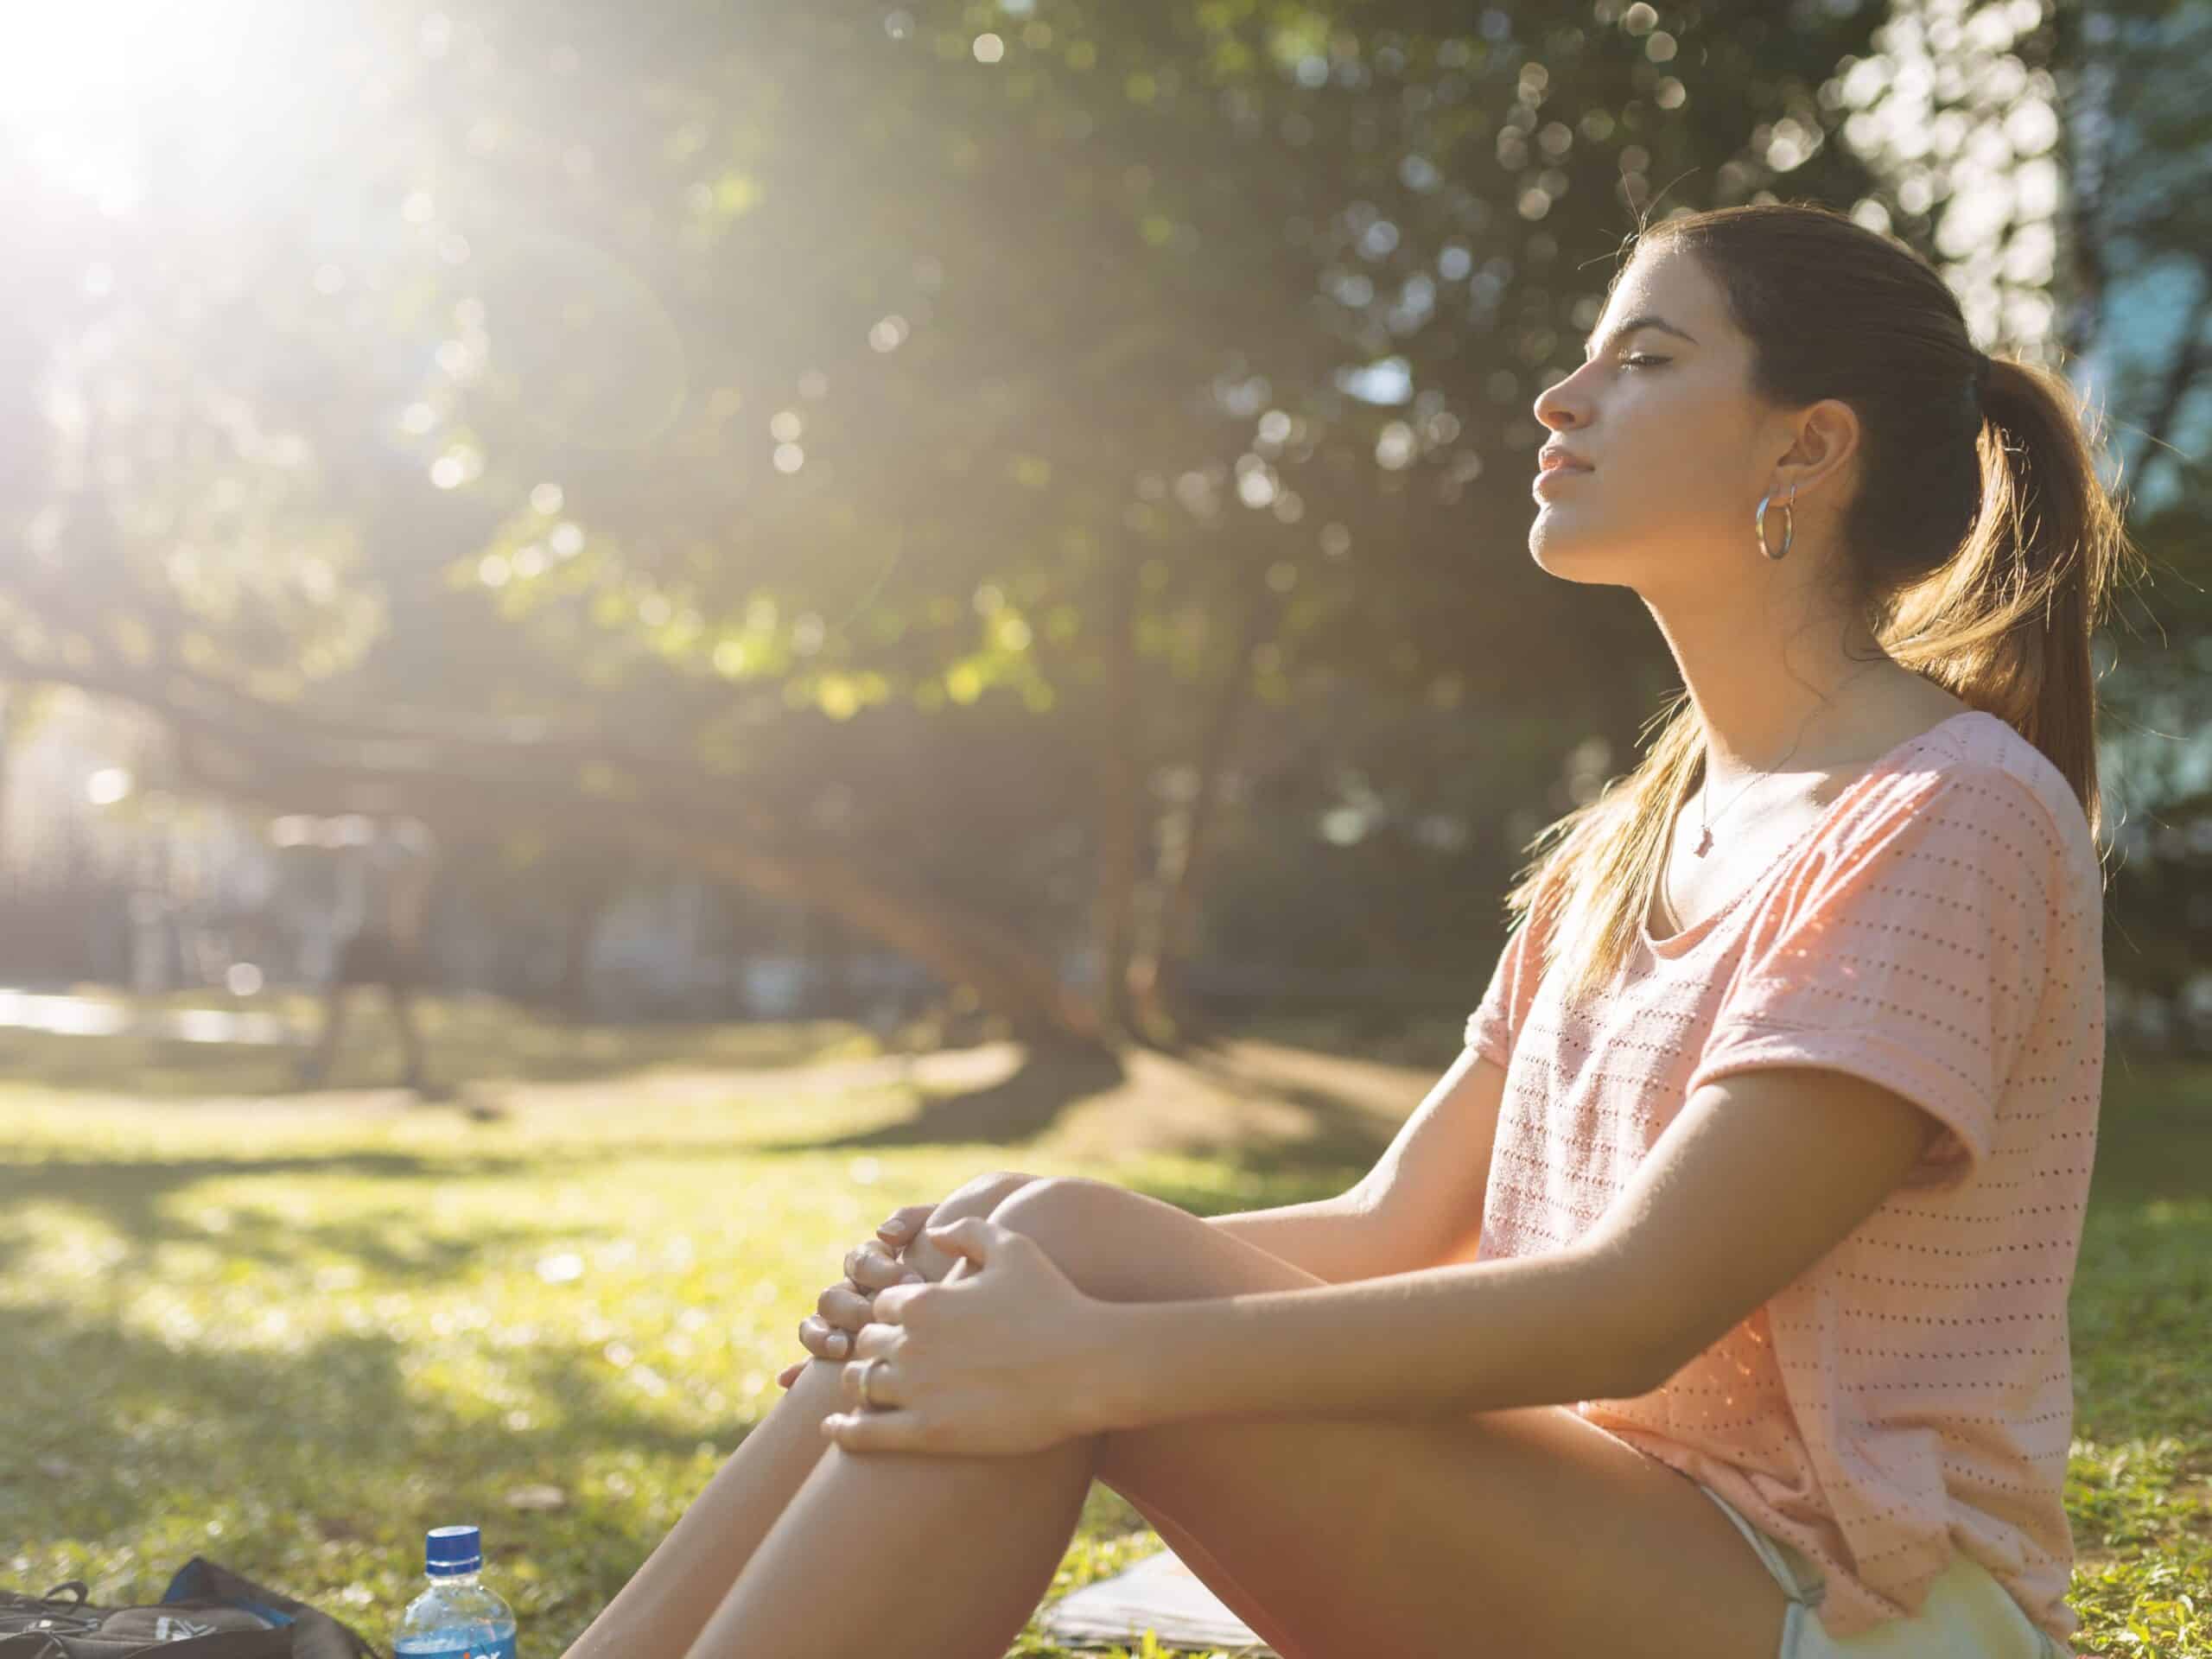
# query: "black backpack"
207,1612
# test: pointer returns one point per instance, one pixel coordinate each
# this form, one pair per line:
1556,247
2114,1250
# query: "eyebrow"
1647,320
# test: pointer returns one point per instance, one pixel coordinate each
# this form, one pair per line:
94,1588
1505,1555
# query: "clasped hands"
995,1354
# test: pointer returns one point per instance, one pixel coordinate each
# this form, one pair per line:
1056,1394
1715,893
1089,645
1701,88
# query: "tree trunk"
10,696
242,755
1119,806
588,905
1008,975
1158,1009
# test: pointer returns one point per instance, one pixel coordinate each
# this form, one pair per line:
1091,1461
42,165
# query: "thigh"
1522,1533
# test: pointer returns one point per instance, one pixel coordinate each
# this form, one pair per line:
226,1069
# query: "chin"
1561,552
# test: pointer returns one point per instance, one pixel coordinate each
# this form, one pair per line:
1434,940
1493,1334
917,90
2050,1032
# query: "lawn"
290,1333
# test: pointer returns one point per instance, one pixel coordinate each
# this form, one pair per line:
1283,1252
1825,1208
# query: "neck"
1765,674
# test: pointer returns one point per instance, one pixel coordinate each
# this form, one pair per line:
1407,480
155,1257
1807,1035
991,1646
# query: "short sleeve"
1912,952
1492,1027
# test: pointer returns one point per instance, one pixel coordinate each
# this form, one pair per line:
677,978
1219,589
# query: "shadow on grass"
474,1040
135,1199
1011,1112
1341,1129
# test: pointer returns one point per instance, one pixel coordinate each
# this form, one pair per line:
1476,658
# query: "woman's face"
1679,450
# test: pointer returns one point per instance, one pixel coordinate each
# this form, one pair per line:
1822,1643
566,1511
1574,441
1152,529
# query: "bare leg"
660,1610
410,1040
316,1066
994,1529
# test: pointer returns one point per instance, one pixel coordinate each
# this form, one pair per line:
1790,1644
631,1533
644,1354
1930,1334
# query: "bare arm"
1760,1175
1421,1206
1331,1238
1464,1338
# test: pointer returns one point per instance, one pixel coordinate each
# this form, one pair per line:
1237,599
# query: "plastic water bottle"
457,1618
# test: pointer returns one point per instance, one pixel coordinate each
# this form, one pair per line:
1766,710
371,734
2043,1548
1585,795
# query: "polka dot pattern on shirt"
1939,933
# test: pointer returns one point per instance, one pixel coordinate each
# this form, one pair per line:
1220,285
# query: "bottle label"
501,1648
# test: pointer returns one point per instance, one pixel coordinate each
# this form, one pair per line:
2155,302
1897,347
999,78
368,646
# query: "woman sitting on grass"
1714,1301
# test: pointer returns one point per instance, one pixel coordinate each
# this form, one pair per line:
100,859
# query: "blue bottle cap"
449,1551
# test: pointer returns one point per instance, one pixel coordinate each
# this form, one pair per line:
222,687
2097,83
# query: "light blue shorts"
1967,1613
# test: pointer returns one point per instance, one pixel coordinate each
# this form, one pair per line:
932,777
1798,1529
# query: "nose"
1553,409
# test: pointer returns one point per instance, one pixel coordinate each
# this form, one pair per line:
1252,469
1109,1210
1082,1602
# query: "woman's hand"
996,1361
842,1309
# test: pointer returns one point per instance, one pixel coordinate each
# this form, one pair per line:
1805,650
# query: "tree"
713,430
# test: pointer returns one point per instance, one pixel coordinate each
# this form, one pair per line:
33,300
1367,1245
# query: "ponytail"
2006,625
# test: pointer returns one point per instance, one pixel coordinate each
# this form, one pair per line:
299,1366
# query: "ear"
1822,447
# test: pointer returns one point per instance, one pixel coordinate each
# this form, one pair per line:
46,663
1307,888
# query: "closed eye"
1642,359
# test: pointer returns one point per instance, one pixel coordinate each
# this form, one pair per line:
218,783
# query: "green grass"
290,1335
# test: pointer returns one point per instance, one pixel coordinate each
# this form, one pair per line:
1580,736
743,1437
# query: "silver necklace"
1705,824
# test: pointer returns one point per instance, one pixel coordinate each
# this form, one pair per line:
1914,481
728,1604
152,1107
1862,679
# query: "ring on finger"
867,1375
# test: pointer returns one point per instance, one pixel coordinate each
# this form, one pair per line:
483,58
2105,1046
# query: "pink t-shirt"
1939,932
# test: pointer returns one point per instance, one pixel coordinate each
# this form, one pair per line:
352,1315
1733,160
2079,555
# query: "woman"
1778,1114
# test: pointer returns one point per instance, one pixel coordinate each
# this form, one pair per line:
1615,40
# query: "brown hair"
1981,546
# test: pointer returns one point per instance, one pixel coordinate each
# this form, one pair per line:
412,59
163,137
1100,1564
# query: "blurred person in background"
385,880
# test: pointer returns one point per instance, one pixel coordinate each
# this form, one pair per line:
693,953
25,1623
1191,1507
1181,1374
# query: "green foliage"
852,359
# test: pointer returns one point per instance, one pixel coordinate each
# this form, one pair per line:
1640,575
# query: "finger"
881,1392
889,1309
905,1223
868,1259
789,1375
824,1339
845,1308
876,1272
977,1238
863,1432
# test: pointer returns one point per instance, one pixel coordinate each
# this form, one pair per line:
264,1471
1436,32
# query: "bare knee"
1085,1227
978,1197
1124,1246
989,1190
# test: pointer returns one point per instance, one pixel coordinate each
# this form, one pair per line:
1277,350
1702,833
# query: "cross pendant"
1705,843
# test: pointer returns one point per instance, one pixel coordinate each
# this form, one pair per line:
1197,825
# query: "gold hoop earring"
1788,523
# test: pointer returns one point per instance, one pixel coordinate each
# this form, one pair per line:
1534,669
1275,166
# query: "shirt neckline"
1683,939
